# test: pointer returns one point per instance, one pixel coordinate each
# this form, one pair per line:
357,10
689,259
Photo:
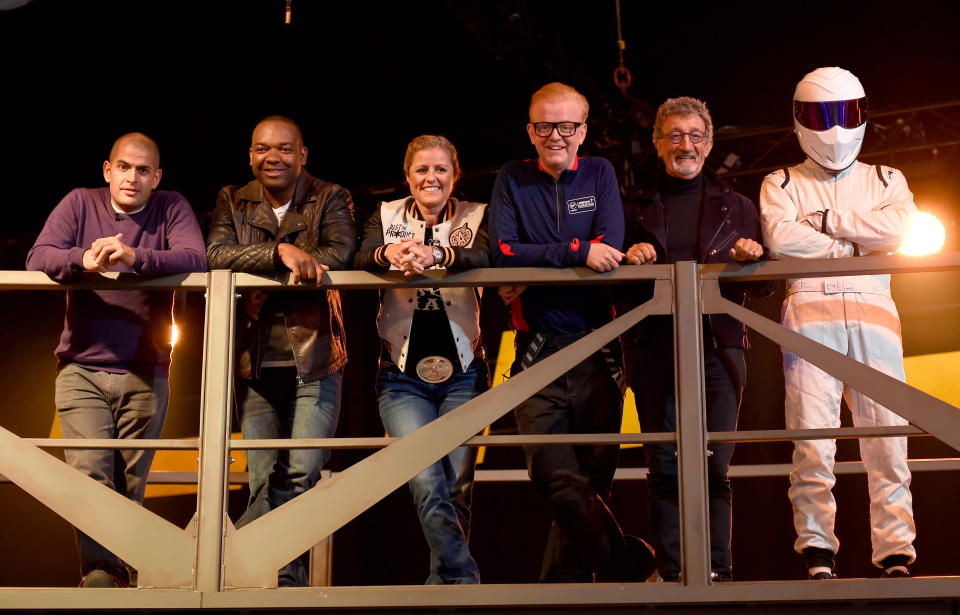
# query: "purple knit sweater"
117,330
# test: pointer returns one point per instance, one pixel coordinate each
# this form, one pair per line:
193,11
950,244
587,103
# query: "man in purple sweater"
114,353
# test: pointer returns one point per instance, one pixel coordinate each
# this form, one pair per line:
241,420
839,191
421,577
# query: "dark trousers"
576,480
649,369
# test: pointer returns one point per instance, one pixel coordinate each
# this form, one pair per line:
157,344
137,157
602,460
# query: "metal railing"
207,563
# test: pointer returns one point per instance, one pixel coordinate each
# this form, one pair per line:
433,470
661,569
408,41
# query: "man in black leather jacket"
290,345
687,213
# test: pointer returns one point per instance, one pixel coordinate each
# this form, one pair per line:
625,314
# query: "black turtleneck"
681,199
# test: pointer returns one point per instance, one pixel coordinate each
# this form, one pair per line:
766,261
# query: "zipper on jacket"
556,188
666,232
724,242
717,232
293,351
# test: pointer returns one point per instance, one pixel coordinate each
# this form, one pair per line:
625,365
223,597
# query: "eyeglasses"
566,129
827,114
675,136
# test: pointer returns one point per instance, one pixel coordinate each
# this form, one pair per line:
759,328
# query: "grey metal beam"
582,276
37,280
504,440
335,501
105,443
945,464
592,595
528,276
834,433
820,267
691,427
930,414
852,593
500,440
736,471
52,599
215,404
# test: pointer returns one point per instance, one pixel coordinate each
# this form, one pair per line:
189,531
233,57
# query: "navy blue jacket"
537,221
726,217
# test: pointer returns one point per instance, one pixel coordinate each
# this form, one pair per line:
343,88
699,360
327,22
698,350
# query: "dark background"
362,79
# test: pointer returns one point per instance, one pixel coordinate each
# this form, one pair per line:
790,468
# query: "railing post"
691,426
215,403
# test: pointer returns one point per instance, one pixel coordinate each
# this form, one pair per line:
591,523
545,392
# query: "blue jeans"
275,406
442,492
98,404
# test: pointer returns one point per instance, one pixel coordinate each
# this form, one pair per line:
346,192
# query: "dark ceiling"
364,77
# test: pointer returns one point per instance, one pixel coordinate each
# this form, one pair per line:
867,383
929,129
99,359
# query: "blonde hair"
558,91
429,142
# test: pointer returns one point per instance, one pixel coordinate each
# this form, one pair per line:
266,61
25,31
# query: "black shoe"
895,566
634,562
642,561
820,563
896,572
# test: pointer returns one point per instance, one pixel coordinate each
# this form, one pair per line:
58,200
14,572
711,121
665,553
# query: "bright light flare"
926,236
174,335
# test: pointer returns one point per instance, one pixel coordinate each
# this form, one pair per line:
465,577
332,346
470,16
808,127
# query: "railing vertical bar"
215,403
691,427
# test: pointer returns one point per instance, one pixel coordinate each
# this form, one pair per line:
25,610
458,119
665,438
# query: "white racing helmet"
830,116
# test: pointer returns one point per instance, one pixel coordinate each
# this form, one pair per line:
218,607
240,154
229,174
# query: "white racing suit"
810,212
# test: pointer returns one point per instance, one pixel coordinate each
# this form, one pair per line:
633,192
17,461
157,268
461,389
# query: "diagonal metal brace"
930,414
161,552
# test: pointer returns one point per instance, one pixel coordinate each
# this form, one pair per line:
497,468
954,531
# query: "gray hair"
682,105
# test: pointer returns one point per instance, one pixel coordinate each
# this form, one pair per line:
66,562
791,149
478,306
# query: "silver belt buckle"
434,369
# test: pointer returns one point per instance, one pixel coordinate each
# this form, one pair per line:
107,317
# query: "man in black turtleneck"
688,214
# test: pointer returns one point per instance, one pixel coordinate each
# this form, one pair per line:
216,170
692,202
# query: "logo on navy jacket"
461,236
582,205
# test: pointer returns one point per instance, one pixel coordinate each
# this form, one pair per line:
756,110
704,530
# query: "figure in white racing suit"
832,206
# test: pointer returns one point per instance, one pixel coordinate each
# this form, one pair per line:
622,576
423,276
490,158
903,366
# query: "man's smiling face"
557,153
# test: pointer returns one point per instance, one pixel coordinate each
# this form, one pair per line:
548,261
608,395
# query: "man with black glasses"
685,212
564,211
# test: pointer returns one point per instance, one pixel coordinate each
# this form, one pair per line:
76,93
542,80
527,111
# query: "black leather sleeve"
223,248
336,240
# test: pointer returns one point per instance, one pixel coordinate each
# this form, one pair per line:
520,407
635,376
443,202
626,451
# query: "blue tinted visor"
825,115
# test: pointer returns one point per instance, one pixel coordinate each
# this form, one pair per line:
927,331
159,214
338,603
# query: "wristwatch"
437,255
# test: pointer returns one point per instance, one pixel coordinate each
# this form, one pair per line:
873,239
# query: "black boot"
820,563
